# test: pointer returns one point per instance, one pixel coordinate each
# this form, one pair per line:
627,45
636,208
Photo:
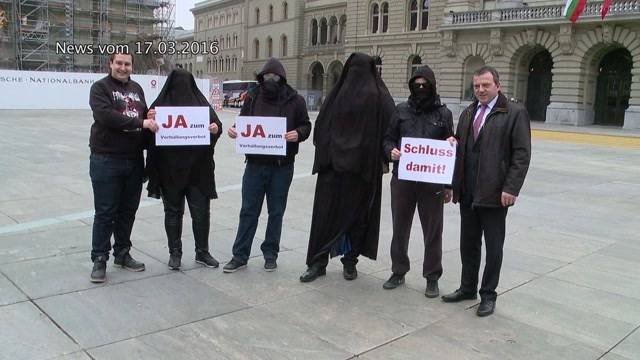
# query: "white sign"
215,96
261,135
25,90
188,125
426,160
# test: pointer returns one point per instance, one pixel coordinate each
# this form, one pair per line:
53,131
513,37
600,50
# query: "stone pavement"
570,286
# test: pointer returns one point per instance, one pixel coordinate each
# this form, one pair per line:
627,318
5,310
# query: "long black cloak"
349,162
177,167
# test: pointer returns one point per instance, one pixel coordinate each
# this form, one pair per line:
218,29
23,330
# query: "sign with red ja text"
187,125
426,160
261,135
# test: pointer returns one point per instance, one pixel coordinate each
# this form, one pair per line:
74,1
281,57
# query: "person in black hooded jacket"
349,163
179,172
422,116
268,175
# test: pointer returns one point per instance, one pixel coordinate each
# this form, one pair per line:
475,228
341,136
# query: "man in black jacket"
422,116
268,175
493,157
116,164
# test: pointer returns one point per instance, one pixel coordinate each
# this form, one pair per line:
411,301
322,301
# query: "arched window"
228,41
285,10
323,31
228,18
235,63
378,61
257,16
385,17
415,62
314,32
375,18
209,22
269,47
343,28
228,61
270,13
284,46
333,30
472,64
221,43
235,40
418,15
256,49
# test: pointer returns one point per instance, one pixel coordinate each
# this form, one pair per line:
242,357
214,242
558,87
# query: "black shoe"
349,272
270,265
233,266
486,308
312,273
206,259
127,262
394,281
432,289
99,272
175,262
458,295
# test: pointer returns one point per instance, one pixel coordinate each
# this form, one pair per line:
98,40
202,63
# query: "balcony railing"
537,13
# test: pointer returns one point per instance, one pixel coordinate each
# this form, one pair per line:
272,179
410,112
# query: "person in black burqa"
349,163
177,173
268,176
422,116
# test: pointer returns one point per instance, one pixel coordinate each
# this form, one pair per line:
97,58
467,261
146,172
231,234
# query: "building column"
632,114
571,97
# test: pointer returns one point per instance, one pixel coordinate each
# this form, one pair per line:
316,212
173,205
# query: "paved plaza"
570,284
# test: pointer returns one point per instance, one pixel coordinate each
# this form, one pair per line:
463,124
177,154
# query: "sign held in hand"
426,160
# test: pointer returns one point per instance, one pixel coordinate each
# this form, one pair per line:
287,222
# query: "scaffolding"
31,29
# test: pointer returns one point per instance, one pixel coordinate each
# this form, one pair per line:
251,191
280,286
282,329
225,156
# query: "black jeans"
474,223
117,184
199,206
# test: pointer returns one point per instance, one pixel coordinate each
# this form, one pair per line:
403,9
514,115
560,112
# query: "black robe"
177,167
349,163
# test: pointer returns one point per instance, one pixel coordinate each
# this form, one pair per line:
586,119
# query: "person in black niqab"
349,163
177,173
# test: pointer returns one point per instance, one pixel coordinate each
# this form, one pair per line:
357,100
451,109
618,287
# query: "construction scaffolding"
31,30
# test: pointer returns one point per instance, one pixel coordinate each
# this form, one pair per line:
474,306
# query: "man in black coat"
494,138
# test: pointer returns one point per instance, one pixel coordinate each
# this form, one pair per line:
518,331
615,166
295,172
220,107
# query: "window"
415,62
378,61
323,31
285,10
333,30
418,15
385,17
209,22
269,47
314,32
343,28
472,64
270,13
235,40
284,46
256,49
257,16
375,18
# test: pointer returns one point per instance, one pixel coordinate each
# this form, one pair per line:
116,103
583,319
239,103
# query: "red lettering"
259,132
169,122
180,122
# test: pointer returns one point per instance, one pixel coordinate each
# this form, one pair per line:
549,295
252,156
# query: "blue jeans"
117,185
258,181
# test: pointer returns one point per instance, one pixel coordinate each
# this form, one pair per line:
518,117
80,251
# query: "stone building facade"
577,74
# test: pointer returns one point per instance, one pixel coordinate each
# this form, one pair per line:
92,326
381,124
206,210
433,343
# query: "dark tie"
478,121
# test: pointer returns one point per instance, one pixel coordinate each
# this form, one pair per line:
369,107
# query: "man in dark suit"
494,138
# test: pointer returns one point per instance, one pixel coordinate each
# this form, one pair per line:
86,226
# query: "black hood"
273,66
424,71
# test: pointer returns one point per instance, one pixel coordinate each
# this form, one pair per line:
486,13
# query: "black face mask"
422,97
271,89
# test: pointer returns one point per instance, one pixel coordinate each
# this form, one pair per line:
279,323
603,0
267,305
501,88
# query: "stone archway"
613,87
335,69
539,85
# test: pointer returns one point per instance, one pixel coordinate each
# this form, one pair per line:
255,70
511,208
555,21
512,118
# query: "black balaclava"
424,97
271,89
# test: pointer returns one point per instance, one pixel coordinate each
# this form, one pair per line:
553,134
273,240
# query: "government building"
576,74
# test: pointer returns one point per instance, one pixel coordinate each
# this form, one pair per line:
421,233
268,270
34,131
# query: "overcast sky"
184,17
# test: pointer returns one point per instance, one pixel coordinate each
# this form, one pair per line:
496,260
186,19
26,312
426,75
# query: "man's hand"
508,199
452,141
395,154
150,124
232,132
213,128
151,114
448,195
291,136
